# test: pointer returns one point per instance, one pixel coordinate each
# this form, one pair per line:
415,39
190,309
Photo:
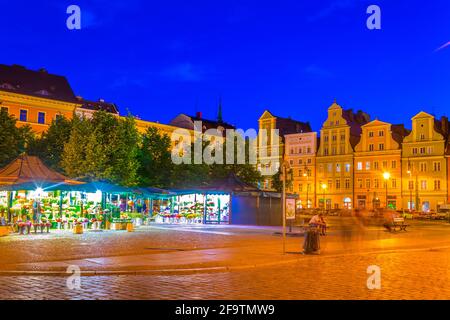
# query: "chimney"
101,100
445,125
198,114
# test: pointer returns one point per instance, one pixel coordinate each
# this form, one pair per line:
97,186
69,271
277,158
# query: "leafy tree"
155,162
13,140
126,163
50,146
102,148
185,175
277,182
73,160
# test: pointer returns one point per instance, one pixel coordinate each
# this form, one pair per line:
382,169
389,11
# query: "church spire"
219,113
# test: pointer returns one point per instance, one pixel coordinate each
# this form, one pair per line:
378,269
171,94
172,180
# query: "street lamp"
386,176
305,175
324,187
409,172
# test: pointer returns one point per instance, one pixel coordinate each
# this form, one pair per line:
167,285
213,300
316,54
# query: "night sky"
161,58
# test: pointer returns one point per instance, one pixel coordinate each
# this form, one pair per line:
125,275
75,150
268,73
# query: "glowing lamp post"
307,189
386,177
324,188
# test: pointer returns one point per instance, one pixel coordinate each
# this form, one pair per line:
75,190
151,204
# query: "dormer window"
7,86
43,92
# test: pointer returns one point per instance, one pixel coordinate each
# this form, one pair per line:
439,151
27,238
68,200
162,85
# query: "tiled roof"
18,79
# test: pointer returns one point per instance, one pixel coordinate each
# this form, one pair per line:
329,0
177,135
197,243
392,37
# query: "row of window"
23,115
337,167
300,161
375,165
375,184
422,150
424,185
300,150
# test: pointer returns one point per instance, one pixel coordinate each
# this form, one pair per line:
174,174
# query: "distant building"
87,108
424,168
35,98
300,153
377,154
339,136
187,122
269,163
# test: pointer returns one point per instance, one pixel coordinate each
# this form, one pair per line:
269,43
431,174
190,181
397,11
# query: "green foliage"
197,174
13,140
50,146
154,158
277,182
102,148
73,160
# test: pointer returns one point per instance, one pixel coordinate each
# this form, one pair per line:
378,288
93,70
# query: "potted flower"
78,227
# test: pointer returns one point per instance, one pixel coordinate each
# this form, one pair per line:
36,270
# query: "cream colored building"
378,170
424,165
271,143
339,135
300,153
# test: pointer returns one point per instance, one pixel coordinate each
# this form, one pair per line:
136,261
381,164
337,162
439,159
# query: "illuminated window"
359,166
423,184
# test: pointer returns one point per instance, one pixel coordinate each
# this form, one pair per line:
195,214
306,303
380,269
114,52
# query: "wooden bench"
400,224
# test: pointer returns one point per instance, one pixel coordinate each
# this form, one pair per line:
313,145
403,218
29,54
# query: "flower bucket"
130,227
78,229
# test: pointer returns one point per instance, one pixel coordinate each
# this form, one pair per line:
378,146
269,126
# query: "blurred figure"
318,221
389,216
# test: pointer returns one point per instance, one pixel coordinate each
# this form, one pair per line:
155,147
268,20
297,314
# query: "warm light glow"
386,176
324,186
39,192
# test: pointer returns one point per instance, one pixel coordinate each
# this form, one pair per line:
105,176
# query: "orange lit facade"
335,172
425,170
378,170
300,153
35,111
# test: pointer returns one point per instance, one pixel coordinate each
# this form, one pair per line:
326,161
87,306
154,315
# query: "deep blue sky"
161,58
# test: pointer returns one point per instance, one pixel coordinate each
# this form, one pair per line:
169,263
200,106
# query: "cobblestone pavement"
404,275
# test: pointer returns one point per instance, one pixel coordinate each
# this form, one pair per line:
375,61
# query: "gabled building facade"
300,153
339,135
378,170
271,146
424,163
